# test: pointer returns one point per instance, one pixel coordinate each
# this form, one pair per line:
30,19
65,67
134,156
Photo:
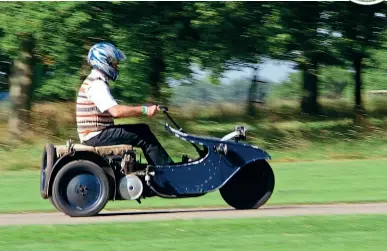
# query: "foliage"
305,40
164,39
361,28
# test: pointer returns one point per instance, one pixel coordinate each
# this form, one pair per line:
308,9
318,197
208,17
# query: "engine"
130,187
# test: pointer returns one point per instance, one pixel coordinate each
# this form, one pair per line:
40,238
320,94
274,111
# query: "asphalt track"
193,213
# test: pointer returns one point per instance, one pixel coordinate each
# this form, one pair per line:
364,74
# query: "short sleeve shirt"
99,93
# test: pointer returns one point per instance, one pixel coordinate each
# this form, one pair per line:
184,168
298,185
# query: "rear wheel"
81,188
250,187
51,199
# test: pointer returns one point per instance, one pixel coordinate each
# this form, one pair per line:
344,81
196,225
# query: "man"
96,109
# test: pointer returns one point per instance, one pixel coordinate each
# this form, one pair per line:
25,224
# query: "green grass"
285,141
365,232
302,182
280,129
287,136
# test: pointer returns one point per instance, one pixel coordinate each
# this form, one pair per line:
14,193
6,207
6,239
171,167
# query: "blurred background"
307,78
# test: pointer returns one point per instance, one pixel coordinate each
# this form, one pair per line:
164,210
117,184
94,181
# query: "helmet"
102,56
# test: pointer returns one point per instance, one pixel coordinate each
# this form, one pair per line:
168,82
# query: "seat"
101,150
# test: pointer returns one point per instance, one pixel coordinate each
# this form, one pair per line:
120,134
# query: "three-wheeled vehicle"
79,180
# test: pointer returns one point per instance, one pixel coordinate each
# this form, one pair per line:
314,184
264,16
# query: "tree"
361,28
21,82
158,42
233,35
304,37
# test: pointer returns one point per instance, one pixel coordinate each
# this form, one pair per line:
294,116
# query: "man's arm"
101,96
123,111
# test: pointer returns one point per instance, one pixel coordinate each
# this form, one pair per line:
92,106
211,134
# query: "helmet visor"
120,55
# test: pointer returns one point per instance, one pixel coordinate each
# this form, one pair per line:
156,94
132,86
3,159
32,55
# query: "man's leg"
138,135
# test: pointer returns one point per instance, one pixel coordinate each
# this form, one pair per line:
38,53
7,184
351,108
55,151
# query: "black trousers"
138,135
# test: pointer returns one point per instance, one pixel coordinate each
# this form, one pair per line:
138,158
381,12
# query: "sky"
269,71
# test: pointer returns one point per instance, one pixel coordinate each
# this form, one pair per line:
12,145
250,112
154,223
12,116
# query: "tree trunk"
21,82
309,102
358,86
359,111
156,77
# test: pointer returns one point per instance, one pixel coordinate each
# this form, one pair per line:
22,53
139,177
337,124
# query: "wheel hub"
82,190
130,187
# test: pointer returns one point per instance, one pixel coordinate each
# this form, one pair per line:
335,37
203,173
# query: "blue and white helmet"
102,55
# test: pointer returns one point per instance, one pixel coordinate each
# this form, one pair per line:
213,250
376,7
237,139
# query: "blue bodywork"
208,173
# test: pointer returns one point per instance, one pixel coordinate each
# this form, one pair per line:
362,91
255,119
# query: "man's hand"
152,110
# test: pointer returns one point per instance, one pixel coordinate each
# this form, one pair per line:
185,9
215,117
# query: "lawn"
284,141
350,232
285,134
301,182
321,159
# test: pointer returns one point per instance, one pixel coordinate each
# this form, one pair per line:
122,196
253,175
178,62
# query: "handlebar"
239,132
163,108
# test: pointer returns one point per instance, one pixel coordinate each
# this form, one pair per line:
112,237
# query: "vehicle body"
79,180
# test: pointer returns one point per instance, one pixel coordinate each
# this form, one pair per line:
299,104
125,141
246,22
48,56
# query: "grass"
279,128
296,183
291,233
350,168
284,140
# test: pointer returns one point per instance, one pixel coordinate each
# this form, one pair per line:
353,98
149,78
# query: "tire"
81,189
51,199
251,187
48,161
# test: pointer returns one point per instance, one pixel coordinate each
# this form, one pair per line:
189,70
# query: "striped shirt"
93,101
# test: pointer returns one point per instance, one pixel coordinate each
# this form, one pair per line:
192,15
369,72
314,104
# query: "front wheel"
250,187
81,188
